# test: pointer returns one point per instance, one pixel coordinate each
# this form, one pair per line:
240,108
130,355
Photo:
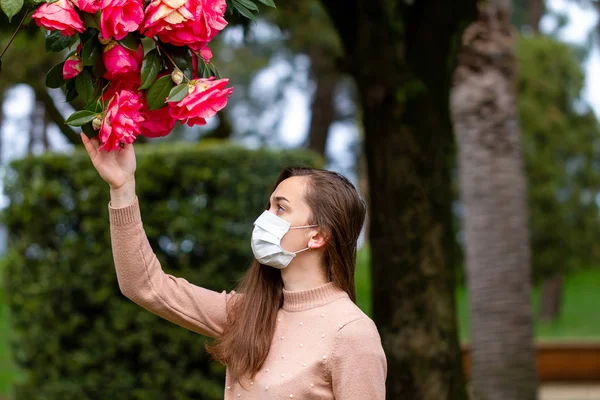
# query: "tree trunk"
363,187
224,130
37,126
493,193
325,78
2,94
55,116
536,12
551,298
401,55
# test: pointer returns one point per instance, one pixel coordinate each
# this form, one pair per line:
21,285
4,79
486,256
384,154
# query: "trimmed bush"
77,336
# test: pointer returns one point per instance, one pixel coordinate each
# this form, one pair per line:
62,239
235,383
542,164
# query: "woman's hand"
117,168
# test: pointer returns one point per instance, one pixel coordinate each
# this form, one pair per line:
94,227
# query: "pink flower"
72,67
197,32
205,53
157,123
119,17
121,123
59,15
89,6
205,99
118,60
129,81
166,14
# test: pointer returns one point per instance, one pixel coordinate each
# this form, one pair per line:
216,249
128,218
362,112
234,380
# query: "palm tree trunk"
493,193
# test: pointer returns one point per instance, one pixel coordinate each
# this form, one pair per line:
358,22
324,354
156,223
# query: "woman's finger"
89,146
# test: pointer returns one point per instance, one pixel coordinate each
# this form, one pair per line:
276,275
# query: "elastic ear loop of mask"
300,227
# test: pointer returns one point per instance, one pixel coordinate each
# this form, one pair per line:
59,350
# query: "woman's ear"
317,239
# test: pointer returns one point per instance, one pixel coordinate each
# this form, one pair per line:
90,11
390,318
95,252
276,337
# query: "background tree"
493,192
402,69
561,145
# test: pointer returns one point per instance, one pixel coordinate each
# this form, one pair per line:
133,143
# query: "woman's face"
287,202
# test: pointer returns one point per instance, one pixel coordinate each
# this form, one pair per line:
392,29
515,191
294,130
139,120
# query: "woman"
291,329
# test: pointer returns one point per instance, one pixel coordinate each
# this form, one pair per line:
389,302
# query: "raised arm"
139,272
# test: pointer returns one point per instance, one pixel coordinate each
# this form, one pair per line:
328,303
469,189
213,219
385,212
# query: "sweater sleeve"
142,280
358,364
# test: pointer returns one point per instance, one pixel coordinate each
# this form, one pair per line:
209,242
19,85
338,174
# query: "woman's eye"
280,209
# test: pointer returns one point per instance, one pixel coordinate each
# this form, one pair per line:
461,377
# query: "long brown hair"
337,208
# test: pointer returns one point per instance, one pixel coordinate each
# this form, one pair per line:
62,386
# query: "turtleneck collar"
300,300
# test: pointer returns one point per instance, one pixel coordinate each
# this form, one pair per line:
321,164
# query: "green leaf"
69,90
148,44
178,93
88,34
130,42
158,92
201,67
95,107
54,77
151,66
244,11
11,7
56,41
85,86
99,69
91,52
89,21
71,94
214,71
88,129
268,3
248,4
80,118
206,72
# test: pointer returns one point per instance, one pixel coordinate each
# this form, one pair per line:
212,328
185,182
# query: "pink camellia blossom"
206,97
59,15
119,17
72,67
118,60
129,81
167,14
89,6
157,122
121,123
197,32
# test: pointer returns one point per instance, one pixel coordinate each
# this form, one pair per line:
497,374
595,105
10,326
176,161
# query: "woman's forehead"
291,188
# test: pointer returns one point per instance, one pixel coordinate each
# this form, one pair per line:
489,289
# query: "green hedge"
77,337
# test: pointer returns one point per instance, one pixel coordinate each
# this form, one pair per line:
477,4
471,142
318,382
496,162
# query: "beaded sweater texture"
324,346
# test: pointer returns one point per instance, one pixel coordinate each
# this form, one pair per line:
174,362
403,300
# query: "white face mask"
266,240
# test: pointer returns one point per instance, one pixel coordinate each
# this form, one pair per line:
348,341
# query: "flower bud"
96,123
102,40
72,67
177,76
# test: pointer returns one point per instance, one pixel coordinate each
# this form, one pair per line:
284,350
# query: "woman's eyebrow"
280,198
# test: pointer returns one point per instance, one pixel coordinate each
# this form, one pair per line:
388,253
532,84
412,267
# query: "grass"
578,319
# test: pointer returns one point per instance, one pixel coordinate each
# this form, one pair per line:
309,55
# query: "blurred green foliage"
561,143
76,336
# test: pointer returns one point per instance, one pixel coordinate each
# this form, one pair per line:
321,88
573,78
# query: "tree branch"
55,116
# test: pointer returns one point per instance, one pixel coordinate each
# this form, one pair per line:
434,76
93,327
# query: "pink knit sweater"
324,346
